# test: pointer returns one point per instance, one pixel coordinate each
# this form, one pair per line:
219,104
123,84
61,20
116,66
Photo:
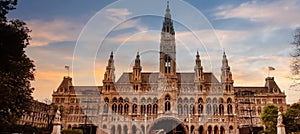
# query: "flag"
271,68
67,67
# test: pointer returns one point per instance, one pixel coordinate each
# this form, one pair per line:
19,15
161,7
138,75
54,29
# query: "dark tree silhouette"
16,69
291,118
295,64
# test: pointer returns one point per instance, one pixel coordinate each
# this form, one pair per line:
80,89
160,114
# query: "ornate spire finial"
168,5
111,54
168,14
137,54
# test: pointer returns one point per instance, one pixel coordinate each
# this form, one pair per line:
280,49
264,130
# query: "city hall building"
166,101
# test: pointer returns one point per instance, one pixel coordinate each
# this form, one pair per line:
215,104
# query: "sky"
81,34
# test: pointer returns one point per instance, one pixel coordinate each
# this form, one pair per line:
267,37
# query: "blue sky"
254,34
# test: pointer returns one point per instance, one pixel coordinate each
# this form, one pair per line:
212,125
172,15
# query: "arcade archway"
168,125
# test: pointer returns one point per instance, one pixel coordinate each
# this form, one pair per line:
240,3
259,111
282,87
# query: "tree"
16,68
292,118
295,64
269,118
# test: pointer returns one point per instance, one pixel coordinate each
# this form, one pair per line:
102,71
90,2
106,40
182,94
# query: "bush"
72,131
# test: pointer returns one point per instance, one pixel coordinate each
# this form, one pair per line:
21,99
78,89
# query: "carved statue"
57,116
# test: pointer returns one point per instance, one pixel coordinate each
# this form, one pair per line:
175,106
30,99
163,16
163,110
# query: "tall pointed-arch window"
106,101
167,64
167,103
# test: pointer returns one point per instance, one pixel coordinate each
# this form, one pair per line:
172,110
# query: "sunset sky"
81,34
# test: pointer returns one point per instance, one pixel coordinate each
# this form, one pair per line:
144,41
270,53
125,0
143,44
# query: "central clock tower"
167,58
167,81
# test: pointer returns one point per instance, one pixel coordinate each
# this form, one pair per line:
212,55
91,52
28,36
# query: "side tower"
109,76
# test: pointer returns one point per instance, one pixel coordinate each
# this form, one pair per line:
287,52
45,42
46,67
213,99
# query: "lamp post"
189,119
145,128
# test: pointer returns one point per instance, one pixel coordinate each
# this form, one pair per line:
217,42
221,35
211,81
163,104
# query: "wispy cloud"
277,14
45,32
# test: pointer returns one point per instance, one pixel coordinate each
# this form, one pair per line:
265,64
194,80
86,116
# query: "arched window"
215,109
134,100
71,110
179,100
72,100
229,100
114,108
186,100
120,100
119,129
221,100
149,109
200,100
208,100
192,100
105,108
134,109
186,107
208,109
115,100
179,108
209,130
113,130
192,111
167,103
120,109
76,110
167,64
125,129
155,100
259,110
143,109
126,100
200,109
126,108
215,100
253,111
229,109
221,109
155,109
149,100
133,129
216,130
230,129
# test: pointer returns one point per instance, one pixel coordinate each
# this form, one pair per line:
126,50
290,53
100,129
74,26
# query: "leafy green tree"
291,118
16,68
269,118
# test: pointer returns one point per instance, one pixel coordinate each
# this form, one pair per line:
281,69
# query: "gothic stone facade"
167,100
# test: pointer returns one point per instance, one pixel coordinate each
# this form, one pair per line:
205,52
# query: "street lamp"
145,131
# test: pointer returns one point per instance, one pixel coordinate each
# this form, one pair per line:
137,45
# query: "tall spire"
198,60
226,73
111,60
168,24
137,60
109,75
137,71
198,69
224,61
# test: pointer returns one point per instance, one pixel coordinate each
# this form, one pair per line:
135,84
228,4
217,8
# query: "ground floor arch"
168,125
